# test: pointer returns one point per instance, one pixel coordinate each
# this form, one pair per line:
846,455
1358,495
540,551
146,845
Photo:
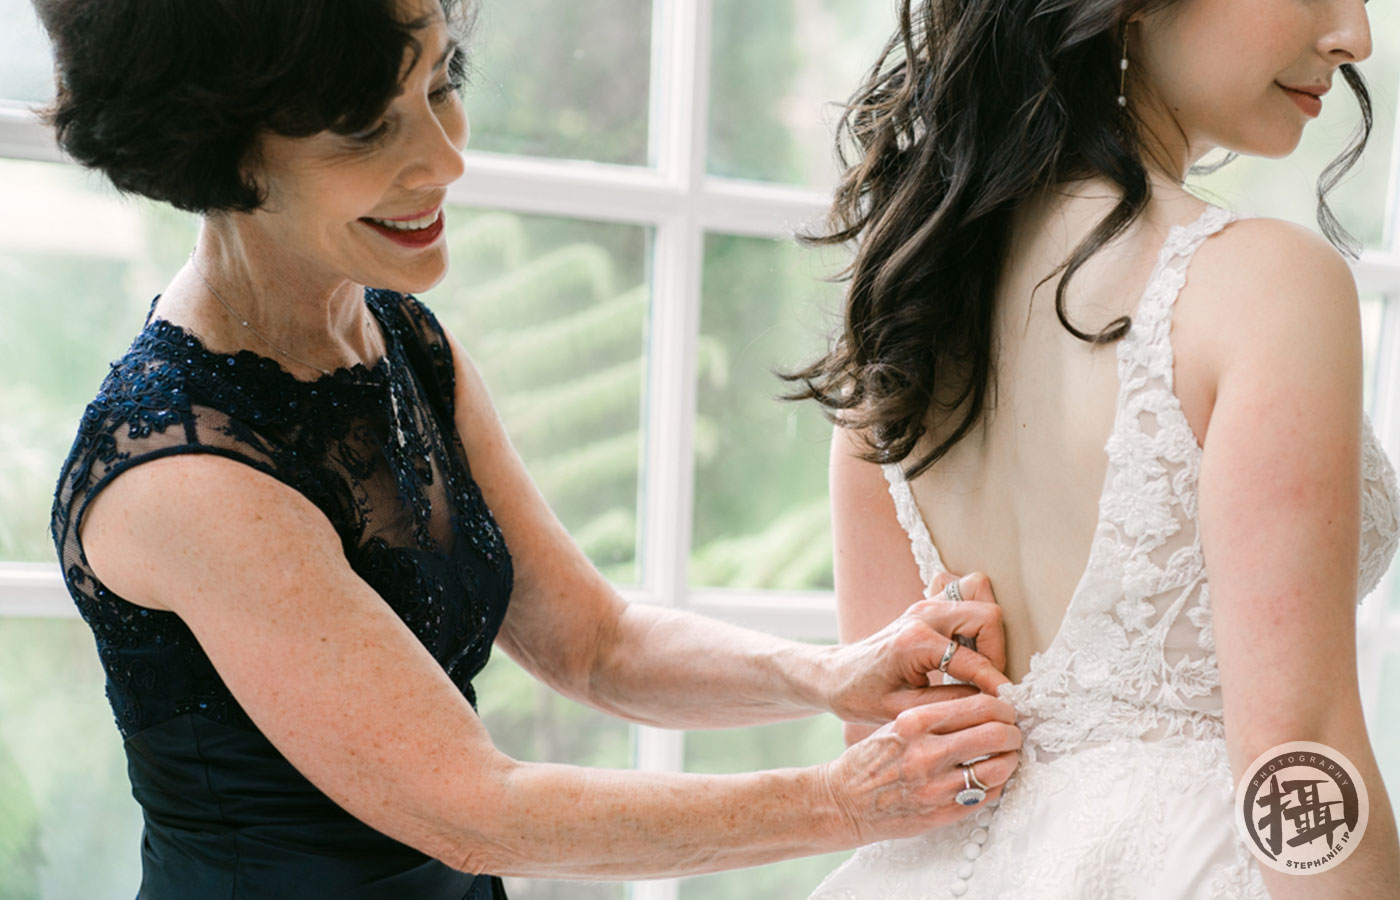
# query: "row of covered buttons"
973,848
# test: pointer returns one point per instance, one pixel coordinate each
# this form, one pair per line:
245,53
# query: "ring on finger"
971,772
947,656
969,795
953,592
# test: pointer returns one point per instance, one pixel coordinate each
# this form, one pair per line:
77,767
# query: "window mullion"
680,105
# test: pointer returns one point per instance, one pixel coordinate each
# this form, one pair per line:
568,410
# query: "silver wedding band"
947,656
953,592
969,795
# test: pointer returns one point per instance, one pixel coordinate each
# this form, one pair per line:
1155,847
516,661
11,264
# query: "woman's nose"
1349,39
437,151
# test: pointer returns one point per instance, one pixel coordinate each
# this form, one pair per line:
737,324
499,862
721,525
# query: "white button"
958,888
972,851
984,817
965,870
979,836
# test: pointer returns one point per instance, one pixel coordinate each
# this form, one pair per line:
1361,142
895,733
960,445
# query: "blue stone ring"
971,796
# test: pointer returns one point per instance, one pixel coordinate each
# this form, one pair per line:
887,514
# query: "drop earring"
1123,71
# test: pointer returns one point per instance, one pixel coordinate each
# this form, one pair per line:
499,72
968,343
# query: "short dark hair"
168,97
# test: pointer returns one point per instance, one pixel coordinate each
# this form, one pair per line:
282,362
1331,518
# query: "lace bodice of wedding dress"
1124,787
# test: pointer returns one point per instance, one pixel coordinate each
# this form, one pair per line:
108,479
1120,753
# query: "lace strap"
925,553
1152,320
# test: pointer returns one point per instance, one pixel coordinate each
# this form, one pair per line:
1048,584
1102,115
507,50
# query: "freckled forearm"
554,821
680,670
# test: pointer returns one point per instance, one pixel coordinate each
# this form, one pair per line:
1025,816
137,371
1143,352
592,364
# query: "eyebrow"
451,48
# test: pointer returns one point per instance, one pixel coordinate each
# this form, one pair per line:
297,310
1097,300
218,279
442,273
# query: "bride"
1160,458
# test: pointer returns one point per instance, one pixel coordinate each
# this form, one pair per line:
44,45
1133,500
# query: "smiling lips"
1309,100
417,231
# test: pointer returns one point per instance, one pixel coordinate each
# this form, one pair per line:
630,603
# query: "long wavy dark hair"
973,106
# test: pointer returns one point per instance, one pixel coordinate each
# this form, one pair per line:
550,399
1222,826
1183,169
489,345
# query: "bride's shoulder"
1266,281
1263,296
1256,264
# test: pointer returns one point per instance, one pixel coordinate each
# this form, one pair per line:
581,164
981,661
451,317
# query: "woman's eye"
447,90
373,135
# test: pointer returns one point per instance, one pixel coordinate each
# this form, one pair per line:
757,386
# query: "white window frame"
681,203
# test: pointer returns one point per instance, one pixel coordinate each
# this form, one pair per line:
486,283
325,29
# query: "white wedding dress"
1124,788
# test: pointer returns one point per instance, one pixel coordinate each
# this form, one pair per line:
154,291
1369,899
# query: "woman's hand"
896,668
902,780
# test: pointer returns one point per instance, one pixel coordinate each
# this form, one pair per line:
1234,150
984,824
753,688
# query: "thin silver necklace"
393,393
246,324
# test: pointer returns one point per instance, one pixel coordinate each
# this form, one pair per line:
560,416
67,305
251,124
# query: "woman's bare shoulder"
1261,294
1260,265
148,534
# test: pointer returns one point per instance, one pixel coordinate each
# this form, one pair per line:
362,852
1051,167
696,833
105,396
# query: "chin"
1274,144
419,280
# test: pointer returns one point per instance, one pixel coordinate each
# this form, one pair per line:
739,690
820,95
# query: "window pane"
561,79
761,515
776,68
26,71
1384,729
68,824
1373,313
530,722
1372,316
801,743
554,312
1287,188
80,270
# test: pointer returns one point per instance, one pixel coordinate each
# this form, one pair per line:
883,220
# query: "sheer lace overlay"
1124,789
373,447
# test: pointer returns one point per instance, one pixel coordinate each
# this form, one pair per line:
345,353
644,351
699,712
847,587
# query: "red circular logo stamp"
1301,807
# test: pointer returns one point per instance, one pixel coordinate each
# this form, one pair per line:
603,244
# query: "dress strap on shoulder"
1152,320
907,511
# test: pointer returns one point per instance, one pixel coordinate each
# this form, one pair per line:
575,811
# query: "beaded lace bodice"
1134,656
374,448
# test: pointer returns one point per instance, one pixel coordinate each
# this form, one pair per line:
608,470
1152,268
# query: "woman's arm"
568,627
875,569
352,699
1278,337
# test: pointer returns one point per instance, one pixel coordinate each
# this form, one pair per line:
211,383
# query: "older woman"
296,526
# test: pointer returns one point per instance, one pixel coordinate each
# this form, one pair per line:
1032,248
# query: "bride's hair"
973,106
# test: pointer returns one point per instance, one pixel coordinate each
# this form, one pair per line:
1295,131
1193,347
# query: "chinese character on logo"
1311,817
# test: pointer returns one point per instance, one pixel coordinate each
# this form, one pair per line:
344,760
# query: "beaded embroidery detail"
374,447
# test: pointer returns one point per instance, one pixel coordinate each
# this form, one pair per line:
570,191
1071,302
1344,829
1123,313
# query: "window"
623,276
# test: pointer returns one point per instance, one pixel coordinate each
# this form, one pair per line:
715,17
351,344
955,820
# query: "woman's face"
328,195
1219,69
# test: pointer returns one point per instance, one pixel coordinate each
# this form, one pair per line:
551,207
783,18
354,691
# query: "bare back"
1018,498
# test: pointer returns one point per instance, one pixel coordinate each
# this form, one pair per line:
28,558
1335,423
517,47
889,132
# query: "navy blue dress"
375,448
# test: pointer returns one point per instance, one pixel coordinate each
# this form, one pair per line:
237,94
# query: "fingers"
986,624
977,729
993,771
981,620
969,665
959,714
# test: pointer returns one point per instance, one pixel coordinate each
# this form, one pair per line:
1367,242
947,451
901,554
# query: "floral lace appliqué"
1122,713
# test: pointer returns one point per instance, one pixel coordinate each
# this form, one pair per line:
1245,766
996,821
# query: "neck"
291,304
